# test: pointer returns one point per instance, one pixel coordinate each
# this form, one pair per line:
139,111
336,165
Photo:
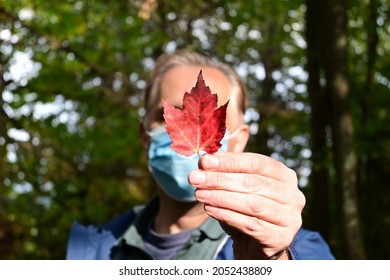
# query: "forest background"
72,75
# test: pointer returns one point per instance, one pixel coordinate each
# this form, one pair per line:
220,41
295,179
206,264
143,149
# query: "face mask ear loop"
234,134
156,131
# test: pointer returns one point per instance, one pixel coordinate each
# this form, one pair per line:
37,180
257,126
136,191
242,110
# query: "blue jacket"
96,243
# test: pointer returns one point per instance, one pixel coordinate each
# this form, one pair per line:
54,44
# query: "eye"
158,116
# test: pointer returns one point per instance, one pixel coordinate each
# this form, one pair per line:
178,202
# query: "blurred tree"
329,50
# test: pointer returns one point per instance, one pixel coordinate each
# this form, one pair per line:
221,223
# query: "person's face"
181,79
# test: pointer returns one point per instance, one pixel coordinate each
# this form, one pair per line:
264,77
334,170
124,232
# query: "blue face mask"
171,169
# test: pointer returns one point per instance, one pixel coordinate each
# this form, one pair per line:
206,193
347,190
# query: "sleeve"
95,243
227,251
309,245
89,243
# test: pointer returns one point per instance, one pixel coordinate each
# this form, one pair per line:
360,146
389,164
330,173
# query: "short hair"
189,58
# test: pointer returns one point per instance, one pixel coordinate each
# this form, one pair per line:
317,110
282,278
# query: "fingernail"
197,177
210,161
202,194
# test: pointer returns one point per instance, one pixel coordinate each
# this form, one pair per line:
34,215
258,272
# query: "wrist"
282,255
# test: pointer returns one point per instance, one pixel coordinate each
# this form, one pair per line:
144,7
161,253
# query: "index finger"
250,163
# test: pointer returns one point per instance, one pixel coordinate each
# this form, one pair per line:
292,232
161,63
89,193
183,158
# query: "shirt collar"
210,228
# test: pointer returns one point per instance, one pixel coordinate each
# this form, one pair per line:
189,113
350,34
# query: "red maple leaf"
200,125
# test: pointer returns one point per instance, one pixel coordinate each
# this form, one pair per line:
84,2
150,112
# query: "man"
236,205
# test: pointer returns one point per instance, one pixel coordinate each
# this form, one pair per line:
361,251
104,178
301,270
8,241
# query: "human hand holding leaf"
200,125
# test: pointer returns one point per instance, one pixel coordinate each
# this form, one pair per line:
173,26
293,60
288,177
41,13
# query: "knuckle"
252,224
256,164
277,213
228,216
251,183
299,222
294,219
293,175
216,179
302,200
231,162
279,216
299,198
267,237
220,198
255,205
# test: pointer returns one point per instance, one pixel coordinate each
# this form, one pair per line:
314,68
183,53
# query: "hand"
255,198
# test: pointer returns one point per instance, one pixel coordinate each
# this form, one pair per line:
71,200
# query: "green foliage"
77,153
369,68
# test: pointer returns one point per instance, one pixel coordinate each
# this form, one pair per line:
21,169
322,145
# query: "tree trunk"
3,154
319,207
372,44
271,63
335,65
